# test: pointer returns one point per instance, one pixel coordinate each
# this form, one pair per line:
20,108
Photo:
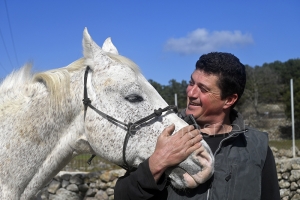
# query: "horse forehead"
118,73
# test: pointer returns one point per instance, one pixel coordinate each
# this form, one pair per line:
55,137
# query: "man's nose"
193,91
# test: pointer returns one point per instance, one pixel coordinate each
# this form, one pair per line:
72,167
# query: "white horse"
43,122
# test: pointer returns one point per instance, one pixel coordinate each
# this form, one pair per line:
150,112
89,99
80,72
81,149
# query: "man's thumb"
168,130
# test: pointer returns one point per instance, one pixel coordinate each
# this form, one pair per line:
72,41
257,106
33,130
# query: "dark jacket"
239,162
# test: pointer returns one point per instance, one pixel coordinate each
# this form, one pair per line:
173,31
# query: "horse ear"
90,48
108,46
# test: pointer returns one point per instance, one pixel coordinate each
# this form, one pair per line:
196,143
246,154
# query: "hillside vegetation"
266,102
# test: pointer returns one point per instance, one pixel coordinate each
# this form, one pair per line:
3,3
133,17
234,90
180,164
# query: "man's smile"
194,104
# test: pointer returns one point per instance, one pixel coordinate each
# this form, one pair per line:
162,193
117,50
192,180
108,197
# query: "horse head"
117,97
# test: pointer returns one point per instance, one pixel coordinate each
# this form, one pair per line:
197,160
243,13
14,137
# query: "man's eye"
191,83
134,98
203,90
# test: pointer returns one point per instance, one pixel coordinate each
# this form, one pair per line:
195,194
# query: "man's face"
204,98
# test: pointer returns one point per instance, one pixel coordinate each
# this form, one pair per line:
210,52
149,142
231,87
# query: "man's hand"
171,149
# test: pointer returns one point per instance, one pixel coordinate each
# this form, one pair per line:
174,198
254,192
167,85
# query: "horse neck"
47,116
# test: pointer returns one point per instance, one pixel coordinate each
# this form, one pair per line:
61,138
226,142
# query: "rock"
285,175
57,178
294,186
72,187
76,179
274,149
64,183
83,188
279,176
113,183
285,153
101,195
54,186
106,176
284,193
285,166
43,195
110,191
63,194
101,185
66,177
92,185
295,166
91,192
295,175
92,177
112,197
119,172
284,184
296,197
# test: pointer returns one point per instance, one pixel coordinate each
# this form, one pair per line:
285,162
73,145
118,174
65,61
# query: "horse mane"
57,81
17,78
125,61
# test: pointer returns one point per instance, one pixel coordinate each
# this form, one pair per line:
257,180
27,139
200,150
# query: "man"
244,164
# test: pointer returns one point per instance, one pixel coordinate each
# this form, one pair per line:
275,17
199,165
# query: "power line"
2,68
11,35
5,50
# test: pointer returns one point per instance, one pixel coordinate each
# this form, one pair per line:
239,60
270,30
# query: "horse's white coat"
42,123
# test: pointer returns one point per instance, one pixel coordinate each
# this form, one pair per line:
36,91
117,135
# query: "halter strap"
131,127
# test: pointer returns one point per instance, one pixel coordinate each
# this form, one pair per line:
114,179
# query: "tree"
261,87
287,70
287,100
158,87
168,92
179,89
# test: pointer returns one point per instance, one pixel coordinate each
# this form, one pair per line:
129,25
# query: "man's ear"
230,100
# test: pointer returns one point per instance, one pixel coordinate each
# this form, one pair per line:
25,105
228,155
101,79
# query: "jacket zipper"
219,147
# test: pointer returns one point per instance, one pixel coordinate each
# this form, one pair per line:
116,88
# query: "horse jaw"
193,176
195,170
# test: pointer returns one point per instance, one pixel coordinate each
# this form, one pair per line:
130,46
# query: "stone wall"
288,173
100,185
81,186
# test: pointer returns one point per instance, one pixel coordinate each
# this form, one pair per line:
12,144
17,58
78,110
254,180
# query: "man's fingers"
182,132
192,136
193,148
194,140
168,130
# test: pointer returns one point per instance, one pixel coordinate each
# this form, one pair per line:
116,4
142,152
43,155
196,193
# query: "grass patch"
79,163
284,144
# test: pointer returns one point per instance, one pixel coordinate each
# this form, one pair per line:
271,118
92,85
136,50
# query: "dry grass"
79,163
284,144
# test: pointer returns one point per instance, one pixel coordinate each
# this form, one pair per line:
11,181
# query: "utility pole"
292,112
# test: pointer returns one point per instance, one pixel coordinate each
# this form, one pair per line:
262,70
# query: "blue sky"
165,38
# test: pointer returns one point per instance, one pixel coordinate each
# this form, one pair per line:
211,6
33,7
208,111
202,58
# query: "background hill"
266,102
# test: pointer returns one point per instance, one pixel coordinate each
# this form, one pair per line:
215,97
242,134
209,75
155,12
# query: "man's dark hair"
229,69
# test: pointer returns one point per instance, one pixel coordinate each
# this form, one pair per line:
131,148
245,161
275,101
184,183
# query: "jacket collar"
236,118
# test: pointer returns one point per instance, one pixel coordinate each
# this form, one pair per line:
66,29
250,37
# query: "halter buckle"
86,101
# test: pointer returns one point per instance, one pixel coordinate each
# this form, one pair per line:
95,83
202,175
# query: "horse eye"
134,98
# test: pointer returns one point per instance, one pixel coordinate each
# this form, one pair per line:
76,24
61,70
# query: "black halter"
131,127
